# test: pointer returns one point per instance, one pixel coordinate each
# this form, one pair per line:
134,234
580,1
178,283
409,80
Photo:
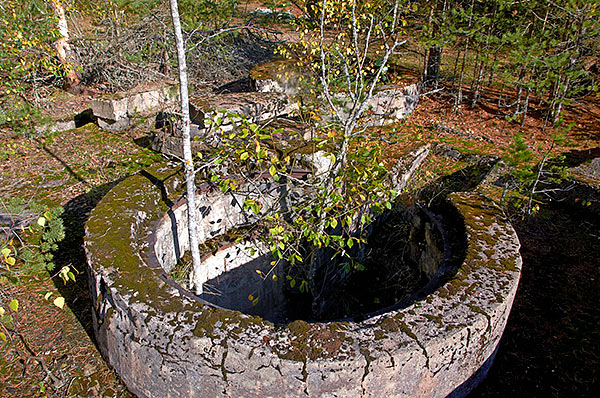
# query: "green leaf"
5,252
59,302
14,305
11,261
292,283
2,337
272,170
244,156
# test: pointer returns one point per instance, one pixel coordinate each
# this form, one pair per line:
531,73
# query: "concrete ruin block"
110,106
143,100
121,124
388,105
144,103
166,342
149,98
253,106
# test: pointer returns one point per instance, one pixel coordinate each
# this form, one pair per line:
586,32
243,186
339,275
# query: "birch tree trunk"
196,278
63,49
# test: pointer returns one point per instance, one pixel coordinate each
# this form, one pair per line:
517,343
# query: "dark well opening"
410,252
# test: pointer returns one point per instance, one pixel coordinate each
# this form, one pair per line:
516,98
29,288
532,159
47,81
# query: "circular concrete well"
165,342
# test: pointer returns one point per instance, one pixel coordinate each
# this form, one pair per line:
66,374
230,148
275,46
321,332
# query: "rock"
447,151
388,105
392,104
591,170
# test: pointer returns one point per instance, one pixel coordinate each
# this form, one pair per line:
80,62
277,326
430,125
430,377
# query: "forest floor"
551,347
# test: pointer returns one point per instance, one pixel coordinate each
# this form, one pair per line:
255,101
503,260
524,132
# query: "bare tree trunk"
63,49
459,98
491,69
432,67
462,76
196,278
477,82
525,107
478,63
519,91
455,68
560,101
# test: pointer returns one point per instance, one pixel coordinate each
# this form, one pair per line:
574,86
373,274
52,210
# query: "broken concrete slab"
144,100
254,107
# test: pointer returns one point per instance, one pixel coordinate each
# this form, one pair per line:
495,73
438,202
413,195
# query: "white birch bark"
196,277
63,49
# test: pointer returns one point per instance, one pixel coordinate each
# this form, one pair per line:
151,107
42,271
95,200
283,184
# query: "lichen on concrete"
165,342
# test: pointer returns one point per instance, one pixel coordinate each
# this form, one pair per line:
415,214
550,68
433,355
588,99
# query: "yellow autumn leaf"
59,302
5,252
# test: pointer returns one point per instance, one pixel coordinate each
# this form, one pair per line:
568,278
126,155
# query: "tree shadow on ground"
576,157
71,253
551,345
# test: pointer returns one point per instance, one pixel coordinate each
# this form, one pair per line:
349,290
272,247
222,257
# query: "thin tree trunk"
462,75
63,49
196,278
553,98
560,101
525,107
432,68
455,68
492,69
478,64
478,85
519,92
462,69
485,56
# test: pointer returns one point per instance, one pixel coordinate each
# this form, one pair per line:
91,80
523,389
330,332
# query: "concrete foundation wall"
164,342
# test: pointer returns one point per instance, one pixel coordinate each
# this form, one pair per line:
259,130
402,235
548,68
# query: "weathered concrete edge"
164,343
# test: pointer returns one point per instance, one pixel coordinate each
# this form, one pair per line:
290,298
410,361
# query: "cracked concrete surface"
164,342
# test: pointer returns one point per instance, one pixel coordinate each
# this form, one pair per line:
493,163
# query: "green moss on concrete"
299,328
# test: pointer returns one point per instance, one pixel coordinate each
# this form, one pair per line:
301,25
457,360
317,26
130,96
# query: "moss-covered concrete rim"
447,335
